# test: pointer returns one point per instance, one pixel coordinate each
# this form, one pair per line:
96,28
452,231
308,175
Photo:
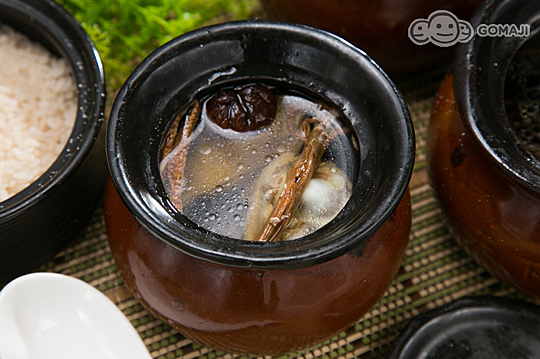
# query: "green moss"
126,31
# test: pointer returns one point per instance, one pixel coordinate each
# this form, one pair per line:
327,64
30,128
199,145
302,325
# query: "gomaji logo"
443,28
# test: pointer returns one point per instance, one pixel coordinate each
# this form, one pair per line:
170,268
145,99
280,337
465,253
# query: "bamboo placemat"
435,271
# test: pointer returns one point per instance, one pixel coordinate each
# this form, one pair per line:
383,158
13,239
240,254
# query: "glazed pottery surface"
379,27
39,220
251,297
487,184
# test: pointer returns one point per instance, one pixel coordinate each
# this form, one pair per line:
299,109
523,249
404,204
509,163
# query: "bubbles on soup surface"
232,182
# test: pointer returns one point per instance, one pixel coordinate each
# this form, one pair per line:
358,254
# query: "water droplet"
178,304
237,217
219,188
205,148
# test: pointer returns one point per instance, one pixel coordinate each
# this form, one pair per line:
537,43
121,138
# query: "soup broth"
230,181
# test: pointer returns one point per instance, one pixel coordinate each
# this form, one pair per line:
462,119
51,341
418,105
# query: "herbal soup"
258,162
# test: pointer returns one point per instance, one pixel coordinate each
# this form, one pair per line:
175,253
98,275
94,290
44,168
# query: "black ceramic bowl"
36,222
253,297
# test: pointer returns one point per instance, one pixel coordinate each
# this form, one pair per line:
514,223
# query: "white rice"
38,105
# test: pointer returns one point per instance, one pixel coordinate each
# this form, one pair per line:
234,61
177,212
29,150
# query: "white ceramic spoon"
49,315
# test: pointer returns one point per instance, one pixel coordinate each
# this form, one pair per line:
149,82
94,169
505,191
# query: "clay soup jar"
243,296
379,27
486,180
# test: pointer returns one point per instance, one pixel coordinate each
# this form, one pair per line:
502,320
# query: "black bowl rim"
73,153
435,328
485,60
283,255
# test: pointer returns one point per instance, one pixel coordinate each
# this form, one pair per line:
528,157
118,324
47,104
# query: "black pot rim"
153,211
63,34
479,76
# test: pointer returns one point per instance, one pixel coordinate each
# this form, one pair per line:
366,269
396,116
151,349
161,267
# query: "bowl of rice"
52,158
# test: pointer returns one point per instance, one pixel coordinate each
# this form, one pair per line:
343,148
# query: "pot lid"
481,327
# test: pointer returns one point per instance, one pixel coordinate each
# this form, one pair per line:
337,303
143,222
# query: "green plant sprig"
126,31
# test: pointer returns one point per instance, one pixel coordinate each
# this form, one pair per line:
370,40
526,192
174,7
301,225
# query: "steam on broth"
256,162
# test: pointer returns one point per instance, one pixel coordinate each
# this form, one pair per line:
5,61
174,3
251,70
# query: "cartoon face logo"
466,31
442,28
418,31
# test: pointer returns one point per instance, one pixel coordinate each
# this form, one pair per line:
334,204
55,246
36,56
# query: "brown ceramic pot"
488,186
378,27
251,297
250,310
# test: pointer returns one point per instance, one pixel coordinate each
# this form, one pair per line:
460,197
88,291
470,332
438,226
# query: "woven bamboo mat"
435,271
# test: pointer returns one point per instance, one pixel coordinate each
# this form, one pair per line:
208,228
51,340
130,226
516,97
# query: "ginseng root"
297,180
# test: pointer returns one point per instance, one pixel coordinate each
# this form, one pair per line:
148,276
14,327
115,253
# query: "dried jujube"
243,109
